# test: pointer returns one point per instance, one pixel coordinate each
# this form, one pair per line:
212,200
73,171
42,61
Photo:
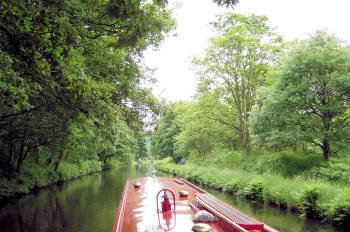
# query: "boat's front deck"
146,208
138,211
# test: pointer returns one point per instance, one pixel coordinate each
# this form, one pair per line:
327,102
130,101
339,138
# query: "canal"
90,203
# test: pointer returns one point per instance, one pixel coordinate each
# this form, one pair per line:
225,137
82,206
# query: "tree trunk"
325,143
105,160
247,142
245,138
326,149
59,158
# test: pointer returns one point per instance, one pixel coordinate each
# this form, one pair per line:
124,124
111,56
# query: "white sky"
291,18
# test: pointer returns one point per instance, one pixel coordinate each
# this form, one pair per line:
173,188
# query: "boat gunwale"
117,221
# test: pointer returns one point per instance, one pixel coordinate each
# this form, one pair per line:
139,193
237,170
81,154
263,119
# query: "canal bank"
245,191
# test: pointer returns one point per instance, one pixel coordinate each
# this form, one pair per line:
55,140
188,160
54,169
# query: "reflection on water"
85,204
90,204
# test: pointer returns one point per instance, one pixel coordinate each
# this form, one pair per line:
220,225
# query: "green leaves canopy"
236,64
62,60
310,101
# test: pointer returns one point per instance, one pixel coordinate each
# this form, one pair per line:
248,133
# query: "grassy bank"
305,194
33,176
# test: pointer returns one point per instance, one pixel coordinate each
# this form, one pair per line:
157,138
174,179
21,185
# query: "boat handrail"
232,223
194,186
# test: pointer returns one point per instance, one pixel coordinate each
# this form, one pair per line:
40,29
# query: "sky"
292,19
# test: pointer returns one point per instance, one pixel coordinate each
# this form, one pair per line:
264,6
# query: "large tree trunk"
326,149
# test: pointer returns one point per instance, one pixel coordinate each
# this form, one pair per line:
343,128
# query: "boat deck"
138,208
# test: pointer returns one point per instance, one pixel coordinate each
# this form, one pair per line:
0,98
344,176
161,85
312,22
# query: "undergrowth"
311,197
33,176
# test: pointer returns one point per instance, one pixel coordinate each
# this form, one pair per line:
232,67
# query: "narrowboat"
152,204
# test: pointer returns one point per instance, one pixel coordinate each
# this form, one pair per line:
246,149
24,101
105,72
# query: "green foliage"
309,202
32,175
35,175
309,102
8,188
337,169
163,139
235,66
309,197
340,210
291,164
254,190
282,192
285,112
227,3
72,87
285,163
111,163
70,170
200,133
185,129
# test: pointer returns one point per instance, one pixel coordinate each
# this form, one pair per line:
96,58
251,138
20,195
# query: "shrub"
309,202
291,164
282,192
254,191
337,169
69,170
340,210
9,188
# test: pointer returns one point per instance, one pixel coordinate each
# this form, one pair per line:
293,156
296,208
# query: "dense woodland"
73,89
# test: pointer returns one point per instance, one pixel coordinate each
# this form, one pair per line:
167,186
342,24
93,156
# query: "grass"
309,195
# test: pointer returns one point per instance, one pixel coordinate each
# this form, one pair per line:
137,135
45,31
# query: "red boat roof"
139,210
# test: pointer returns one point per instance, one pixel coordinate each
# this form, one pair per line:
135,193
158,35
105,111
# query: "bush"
340,210
285,163
254,191
111,163
9,188
291,164
282,192
32,175
35,175
337,169
69,170
309,202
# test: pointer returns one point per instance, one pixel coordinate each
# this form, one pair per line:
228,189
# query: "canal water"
90,203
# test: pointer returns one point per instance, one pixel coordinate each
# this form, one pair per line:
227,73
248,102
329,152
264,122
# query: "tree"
200,134
163,138
236,64
310,100
59,59
227,3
